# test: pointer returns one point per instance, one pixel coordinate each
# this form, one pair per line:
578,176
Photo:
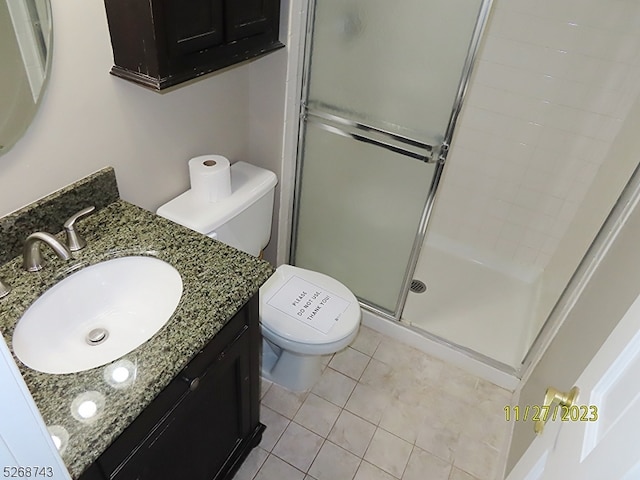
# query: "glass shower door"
383,83
395,65
360,206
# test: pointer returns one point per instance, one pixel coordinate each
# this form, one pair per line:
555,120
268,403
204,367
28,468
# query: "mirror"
25,55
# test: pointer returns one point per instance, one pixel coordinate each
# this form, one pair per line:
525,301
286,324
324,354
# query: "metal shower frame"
436,154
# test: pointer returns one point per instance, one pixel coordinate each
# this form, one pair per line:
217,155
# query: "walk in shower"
492,211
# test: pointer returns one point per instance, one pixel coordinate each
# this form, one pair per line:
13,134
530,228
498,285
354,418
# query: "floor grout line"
391,423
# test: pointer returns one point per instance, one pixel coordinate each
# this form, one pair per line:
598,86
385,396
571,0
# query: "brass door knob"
565,399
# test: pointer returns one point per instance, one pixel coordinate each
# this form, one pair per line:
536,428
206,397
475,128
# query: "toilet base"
293,371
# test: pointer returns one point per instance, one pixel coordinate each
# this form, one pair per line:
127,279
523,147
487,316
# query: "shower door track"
431,154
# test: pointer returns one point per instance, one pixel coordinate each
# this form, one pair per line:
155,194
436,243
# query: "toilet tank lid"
248,184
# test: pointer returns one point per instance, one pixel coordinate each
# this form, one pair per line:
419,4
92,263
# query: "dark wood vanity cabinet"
160,43
204,423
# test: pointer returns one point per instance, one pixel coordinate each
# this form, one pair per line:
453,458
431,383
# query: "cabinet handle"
194,383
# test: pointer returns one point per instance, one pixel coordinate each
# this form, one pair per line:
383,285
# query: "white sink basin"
97,315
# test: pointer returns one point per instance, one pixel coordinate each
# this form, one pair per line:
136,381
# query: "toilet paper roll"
210,177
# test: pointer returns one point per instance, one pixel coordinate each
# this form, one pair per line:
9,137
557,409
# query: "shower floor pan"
472,305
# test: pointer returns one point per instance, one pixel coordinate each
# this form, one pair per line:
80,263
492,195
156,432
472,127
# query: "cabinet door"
246,18
161,43
194,25
197,439
93,473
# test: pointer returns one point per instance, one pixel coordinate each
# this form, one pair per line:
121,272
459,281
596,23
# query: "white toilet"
304,314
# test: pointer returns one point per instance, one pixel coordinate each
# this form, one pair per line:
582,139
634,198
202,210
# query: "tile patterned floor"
381,411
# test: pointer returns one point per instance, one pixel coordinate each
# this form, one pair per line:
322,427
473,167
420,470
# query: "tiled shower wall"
553,82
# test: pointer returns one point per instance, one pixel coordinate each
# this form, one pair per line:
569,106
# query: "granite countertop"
217,281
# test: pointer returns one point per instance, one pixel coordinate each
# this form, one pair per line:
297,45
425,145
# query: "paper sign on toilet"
309,304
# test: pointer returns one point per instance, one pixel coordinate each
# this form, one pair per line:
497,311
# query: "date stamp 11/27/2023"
537,413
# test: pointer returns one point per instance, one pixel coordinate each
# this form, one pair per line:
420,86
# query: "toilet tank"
242,220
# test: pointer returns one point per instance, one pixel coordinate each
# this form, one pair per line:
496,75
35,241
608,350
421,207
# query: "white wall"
24,439
267,85
90,119
554,81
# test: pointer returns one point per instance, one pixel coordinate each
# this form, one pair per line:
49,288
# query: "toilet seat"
292,333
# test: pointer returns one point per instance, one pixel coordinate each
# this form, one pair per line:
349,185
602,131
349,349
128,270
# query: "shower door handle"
362,138
374,136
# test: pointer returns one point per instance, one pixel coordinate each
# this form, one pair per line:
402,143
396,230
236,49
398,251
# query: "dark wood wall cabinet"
161,43
205,422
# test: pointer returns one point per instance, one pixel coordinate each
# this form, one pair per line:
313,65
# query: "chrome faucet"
75,241
32,257
5,288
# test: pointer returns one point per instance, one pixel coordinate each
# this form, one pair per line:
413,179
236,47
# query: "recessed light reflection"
87,409
60,437
120,374
87,406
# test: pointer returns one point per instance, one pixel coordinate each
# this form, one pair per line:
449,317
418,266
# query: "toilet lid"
307,307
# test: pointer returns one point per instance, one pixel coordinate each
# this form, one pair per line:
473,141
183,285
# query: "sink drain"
97,336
